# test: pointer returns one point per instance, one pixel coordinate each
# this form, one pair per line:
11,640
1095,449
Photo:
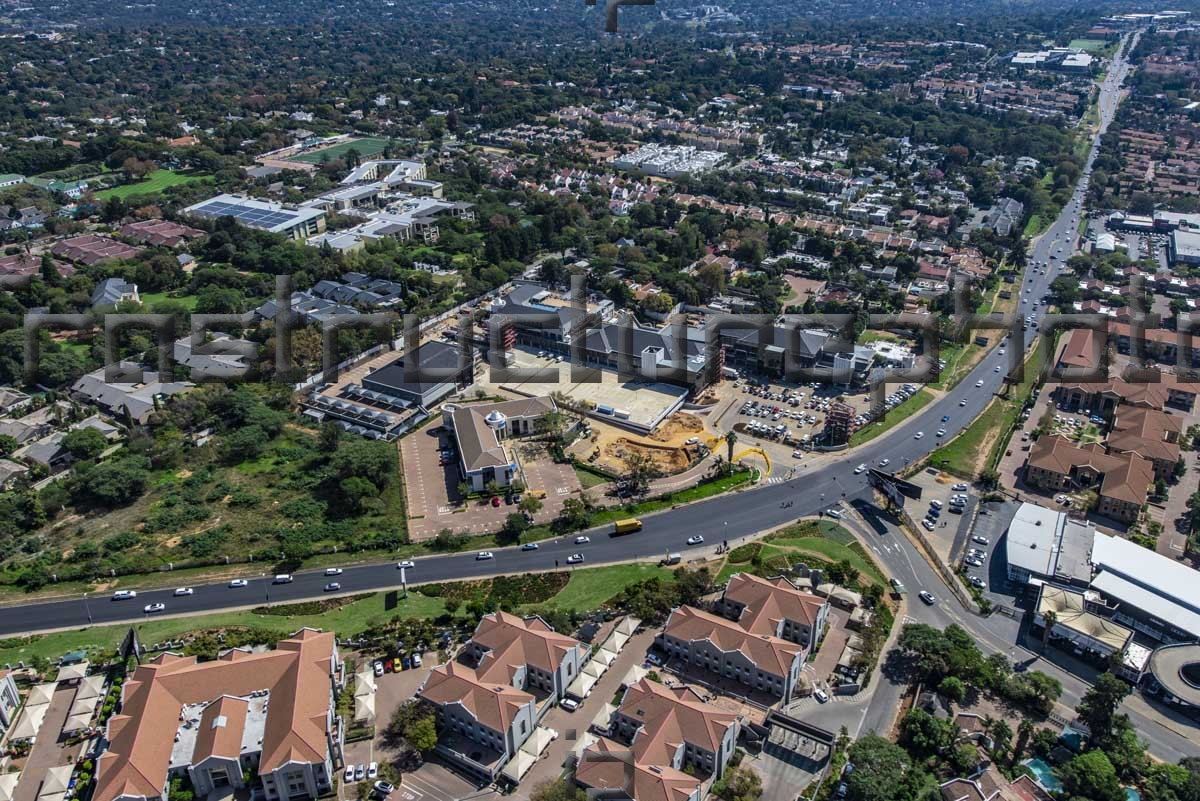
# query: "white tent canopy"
77,722
604,715
583,684
628,625
40,694
83,706
364,708
72,672
91,687
595,669
605,657
54,785
31,720
518,766
364,682
8,785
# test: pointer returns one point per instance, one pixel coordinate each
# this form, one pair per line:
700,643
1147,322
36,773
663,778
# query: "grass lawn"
586,590
1088,45
154,183
150,298
897,415
820,540
963,454
366,147
589,589
588,479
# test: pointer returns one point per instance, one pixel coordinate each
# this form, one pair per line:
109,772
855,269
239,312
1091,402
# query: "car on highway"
574,559
941,432
333,586
862,468
884,462
482,555
155,607
333,571
181,591
238,583
919,435
582,540
529,546
695,540
979,383
407,564
980,540
124,595
997,369
927,597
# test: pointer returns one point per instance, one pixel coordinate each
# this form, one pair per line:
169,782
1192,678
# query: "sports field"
154,183
366,147
1088,45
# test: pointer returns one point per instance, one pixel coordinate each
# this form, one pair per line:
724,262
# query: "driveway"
572,725
47,752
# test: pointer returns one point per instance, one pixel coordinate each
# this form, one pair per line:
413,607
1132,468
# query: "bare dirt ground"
666,446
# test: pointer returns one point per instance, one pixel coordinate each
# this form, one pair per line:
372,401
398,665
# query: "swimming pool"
1044,773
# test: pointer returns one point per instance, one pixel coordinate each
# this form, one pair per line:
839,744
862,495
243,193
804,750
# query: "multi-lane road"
724,519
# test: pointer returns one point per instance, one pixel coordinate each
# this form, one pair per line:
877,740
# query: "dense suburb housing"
270,712
490,701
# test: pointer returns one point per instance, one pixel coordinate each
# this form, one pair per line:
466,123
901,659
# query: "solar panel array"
256,218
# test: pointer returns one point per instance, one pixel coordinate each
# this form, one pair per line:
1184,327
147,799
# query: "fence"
948,576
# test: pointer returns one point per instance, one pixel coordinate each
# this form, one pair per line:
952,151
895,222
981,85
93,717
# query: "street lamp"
266,588
87,608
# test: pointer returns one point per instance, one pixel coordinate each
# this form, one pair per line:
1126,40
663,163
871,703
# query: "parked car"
973,562
372,770
181,591
360,772
980,540
416,660
383,789
977,582
378,667
928,524
960,487
569,704
348,776
821,696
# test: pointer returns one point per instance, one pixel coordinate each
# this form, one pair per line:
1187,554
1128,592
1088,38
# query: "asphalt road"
727,518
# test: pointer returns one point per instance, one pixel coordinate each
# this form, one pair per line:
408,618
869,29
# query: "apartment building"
1121,480
511,672
654,736
762,662
1150,434
10,700
775,606
270,713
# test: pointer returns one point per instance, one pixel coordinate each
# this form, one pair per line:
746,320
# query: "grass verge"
898,415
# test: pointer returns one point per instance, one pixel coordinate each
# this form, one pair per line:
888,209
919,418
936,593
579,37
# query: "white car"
695,540
124,595
238,583
574,559
979,539
962,402
348,776
333,571
797,454
372,770
919,435
959,487
941,432
692,441
977,582
407,564
180,591
835,513
997,369
378,668
569,704
582,540
979,383
482,555
158,607
862,468
821,696
927,597
928,524
884,462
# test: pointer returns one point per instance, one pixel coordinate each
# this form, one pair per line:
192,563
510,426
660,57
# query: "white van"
283,578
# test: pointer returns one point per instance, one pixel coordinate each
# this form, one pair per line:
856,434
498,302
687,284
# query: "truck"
627,526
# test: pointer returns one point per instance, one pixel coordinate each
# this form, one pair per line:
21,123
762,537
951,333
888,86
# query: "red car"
495,500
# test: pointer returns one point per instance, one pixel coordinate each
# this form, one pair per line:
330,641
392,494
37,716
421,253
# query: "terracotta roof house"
762,661
1151,435
663,731
511,672
1122,481
774,606
272,712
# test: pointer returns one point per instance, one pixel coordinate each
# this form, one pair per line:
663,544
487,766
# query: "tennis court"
366,147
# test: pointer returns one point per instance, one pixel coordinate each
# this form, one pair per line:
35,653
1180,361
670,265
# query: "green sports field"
155,183
366,148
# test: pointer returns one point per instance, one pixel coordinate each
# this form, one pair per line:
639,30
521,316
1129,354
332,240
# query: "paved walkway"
47,752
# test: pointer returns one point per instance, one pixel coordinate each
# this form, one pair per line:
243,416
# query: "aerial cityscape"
665,402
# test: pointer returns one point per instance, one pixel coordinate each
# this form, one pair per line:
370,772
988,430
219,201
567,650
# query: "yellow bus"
627,526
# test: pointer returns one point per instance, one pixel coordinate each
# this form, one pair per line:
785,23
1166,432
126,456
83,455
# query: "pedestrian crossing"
775,479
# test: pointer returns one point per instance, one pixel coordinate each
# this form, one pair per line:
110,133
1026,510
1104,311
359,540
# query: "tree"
415,723
356,491
953,688
731,439
1098,707
883,771
85,443
331,435
422,733
575,514
1092,776
639,470
1170,783
1024,731
116,483
557,790
924,735
739,784
530,504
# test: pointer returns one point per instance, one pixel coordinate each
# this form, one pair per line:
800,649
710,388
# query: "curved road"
726,518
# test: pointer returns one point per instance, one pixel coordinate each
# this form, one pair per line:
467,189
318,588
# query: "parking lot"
431,487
